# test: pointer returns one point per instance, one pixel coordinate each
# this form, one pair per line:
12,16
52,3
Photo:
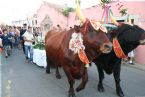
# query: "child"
6,42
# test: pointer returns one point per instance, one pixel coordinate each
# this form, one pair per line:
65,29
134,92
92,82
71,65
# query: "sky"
20,9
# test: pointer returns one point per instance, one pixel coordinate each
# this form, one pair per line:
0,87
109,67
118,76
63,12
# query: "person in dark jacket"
6,42
22,31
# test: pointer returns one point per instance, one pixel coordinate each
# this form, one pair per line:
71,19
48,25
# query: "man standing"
131,57
28,40
22,31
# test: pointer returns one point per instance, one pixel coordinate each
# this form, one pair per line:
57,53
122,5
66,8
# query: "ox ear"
114,21
112,33
77,28
128,23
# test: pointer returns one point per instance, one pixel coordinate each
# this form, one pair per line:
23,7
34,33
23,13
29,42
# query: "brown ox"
58,52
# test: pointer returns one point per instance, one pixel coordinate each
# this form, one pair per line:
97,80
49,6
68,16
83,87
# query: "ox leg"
58,76
71,81
48,65
84,80
101,77
116,74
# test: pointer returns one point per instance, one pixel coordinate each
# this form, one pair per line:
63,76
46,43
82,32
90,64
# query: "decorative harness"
76,43
117,49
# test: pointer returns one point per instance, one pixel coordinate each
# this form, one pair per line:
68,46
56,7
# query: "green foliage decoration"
105,2
66,10
39,45
123,11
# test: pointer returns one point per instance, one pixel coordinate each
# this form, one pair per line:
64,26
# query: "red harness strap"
83,58
86,25
117,49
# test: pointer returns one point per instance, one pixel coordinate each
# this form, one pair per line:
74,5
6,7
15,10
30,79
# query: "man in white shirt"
28,41
131,57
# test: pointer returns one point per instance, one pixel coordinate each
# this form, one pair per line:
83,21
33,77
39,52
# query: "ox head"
94,39
129,36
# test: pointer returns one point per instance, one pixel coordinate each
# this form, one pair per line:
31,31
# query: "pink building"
50,15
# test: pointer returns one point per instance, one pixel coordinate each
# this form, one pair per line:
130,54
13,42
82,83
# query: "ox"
58,52
129,37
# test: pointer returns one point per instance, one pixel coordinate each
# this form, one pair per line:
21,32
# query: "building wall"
135,9
140,54
53,13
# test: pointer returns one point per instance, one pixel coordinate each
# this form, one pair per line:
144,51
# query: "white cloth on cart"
39,57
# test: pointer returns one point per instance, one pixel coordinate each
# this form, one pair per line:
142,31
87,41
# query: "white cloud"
17,9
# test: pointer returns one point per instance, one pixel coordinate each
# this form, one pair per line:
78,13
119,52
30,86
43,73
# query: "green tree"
66,10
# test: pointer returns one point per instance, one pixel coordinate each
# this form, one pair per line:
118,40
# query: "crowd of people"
19,37
24,38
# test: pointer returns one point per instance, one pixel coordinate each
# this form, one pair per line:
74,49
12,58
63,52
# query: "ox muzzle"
142,39
142,42
106,48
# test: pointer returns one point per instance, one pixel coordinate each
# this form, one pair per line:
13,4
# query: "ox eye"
92,34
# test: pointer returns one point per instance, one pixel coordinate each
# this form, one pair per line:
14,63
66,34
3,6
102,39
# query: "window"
120,20
132,21
36,22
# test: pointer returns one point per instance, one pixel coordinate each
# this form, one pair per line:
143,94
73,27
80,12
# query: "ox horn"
78,12
114,21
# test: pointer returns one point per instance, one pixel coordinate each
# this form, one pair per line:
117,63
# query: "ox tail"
49,65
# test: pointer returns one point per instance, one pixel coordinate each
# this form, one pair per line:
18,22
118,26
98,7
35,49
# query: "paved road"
20,79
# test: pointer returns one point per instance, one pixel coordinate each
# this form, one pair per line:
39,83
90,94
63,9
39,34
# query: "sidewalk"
136,65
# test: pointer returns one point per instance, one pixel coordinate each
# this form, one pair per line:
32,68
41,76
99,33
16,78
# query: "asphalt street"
21,79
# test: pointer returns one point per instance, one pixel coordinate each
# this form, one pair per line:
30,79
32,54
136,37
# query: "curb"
136,65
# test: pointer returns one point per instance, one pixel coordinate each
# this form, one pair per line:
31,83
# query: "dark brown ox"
129,37
58,52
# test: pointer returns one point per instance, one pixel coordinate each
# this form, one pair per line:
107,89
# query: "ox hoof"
120,94
47,71
79,88
58,76
72,95
100,88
